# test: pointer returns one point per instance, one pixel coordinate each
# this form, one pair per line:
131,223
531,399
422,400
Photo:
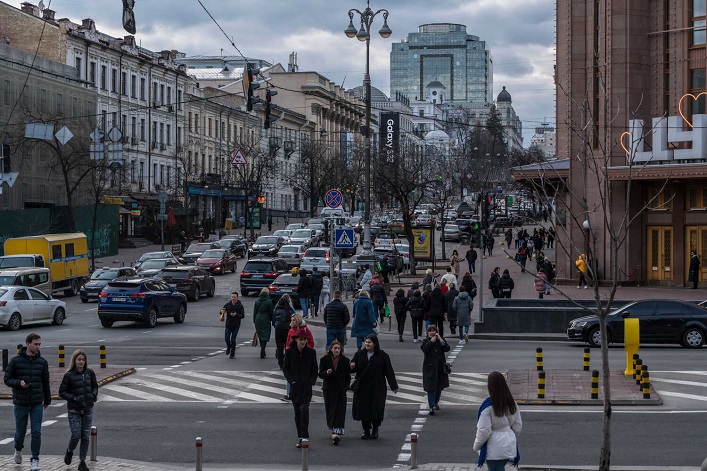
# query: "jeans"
334,334
231,335
433,397
463,330
34,414
304,302
315,304
496,465
301,418
547,288
523,259
80,425
472,267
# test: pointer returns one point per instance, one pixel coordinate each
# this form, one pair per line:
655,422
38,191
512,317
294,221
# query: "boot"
401,338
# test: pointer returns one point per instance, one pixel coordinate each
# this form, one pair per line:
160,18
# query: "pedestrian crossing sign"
344,238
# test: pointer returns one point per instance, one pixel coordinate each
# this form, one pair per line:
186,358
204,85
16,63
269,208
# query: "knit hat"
301,332
415,285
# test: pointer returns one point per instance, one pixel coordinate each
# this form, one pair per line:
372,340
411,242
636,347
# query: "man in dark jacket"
437,307
471,256
317,285
379,297
300,370
493,283
385,268
694,270
28,376
506,285
336,318
304,291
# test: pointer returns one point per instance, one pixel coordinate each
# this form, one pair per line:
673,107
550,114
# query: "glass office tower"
445,53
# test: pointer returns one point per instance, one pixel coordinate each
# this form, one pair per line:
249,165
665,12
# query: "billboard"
423,243
390,136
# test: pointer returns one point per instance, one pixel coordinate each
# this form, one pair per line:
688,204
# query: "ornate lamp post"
364,34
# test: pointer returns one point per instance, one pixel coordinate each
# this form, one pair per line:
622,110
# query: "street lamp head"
362,34
385,31
351,30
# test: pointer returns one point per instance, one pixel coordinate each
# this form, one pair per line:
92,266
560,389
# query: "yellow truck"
66,256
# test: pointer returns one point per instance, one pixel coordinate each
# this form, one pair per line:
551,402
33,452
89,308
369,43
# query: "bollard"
5,354
305,454
541,385
595,384
103,356
635,359
413,451
19,347
61,356
94,443
539,358
637,373
646,385
199,457
644,370
586,359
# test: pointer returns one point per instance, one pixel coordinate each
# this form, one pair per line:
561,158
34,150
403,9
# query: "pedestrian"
304,291
449,296
378,296
539,261
400,302
494,282
694,270
183,241
316,293
437,306
444,286
373,368
426,308
434,376
471,256
469,285
416,307
522,256
27,374
463,304
449,277
519,238
509,237
506,285
540,282
262,318
335,371
414,286
336,318
282,318
498,425
581,264
550,273
430,278
232,313
489,240
80,390
300,370
324,299
269,222
550,238
365,319
454,263
385,268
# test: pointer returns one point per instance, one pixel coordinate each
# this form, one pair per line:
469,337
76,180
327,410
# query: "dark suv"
100,278
194,251
190,280
141,300
258,273
265,246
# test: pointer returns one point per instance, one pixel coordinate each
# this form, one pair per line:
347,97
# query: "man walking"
694,270
471,257
28,376
304,291
336,318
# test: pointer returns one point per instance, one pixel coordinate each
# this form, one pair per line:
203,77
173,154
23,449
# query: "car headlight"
578,324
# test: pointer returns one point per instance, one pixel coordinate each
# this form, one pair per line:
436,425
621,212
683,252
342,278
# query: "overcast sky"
520,34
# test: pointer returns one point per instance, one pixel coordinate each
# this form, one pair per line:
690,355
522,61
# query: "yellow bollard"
541,385
646,385
595,384
637,373
644,370
632,341
61,356
539,358
103,356
586,359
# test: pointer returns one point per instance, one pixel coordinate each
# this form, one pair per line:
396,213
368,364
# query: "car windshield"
175,274
266,240
301,233
258,267
289,249
104,274
212,254
315,253
149,255
282,232
226,243
12,262
384,235
198,247
151,264
293,227
7,280
451,227
319,227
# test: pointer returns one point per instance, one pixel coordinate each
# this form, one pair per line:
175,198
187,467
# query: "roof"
54,237
557,168
376,95
504,96
437,84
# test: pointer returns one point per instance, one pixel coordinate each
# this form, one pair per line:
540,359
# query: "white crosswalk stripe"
691,385
229,387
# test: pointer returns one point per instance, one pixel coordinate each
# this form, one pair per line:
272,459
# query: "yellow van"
36,277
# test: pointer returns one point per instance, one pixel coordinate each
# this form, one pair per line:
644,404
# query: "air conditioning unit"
163,147
154,145
126,139
134,141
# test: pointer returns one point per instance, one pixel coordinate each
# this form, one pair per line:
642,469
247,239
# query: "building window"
114,80
696,197
161,174
133,86
189,121
161,133
154,173
7,92
114,120
196,123
162,94
179,136
43,99
59,103
77,61
697,85
124,83
659,198
169,135
179,100
124,123
210,135
74,107
154,91
142,130
92,74
133,127
104,77
699,36
169,95
142,88
154,132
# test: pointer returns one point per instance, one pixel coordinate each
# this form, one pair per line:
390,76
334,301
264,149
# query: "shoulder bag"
356,383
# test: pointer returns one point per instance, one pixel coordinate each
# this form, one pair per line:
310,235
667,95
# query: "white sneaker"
18,456
34,465
585,286
578,286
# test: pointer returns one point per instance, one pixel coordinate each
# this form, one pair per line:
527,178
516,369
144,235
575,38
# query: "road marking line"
677,381
62,416
683,395
46,423
6,441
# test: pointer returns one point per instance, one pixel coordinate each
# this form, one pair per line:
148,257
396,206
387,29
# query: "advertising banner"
390,136
422,243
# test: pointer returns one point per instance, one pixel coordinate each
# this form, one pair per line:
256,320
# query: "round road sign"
333,198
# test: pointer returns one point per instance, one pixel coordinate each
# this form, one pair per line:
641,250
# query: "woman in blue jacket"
365,319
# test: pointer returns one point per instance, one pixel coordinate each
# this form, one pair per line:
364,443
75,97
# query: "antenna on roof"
342,82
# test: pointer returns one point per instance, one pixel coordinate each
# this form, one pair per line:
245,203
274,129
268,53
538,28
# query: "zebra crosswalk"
264,387
686,385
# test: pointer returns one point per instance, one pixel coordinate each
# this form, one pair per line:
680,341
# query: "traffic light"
484,213
491,209
261,199
5,159
269,106
248,86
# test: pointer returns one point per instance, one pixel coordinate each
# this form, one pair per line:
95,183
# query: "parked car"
266,246
319,257
191,280
152,266
100,278
258,273
292,254
20,305
151,255
303,237
285,283
451,232
195,250
218,261
660,321
236,246
464,225
141,300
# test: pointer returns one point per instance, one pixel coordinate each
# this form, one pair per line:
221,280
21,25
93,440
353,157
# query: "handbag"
222,316
254,343
447,368
517,257
355,384
386,311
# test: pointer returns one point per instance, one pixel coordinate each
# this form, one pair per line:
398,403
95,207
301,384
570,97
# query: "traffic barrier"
199,457
595,384
586,359
637,371
646,384
305,454
644,369
539,358
635,359
94,443
541,385
61,356
103,356
413,451
5,354
19,347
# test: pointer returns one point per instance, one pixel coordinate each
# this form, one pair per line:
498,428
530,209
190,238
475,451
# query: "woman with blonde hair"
80,390
336,376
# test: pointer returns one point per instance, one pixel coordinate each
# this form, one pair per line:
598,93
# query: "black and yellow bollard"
539,358
586,359
635,359
637,373
541,385
61,356
644,370
19,347
595,384
103,356
646,384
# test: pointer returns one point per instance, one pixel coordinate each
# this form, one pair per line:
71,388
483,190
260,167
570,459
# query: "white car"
292,254
451,232
284,233
20,306
318,257
303,237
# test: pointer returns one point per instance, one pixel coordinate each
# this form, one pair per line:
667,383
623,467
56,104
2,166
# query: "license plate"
118,299
257,276
315,260
285,290
91,295
172,285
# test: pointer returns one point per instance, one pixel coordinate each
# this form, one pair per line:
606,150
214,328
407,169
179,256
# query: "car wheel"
84,300
594,337
59,316
212,291
151,320
107,323
197,294
244,292
73,289
693,337
15,322
181,314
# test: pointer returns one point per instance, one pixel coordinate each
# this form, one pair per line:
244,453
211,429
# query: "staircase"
133,242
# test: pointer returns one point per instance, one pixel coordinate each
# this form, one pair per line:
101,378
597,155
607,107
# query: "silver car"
319,257
292,254
302,237
451,232
20,305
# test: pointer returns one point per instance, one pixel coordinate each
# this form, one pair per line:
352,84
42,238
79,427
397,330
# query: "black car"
285,284
195,250
660,321
238,247
464,225
258,273
140,300
99,278
266,246
193,281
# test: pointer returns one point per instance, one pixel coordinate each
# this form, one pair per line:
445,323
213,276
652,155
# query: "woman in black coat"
506,285
372,367
400,302
300,370
434,378
335,372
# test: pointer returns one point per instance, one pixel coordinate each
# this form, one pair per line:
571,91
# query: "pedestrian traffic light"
491,208
248,86
5,166
269,106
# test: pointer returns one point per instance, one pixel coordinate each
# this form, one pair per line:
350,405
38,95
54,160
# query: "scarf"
482,452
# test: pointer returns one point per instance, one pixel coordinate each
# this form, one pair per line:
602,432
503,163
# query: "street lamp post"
364,34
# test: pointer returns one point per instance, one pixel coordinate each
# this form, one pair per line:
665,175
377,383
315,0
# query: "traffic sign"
161,217
333,198
162,197
238,158
343,238
63,135
115,134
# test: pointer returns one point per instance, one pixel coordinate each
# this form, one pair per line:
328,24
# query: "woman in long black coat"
434,378
335,372
300,370
372,367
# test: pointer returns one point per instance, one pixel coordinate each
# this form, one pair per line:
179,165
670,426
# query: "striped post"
586,359
103,356
637,374
539,358
413,451
305,454
199,451
94,443
635,359
646,384
61,356
595,384
541,385
644,370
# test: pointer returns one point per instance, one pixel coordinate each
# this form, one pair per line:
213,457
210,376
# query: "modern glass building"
445,53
